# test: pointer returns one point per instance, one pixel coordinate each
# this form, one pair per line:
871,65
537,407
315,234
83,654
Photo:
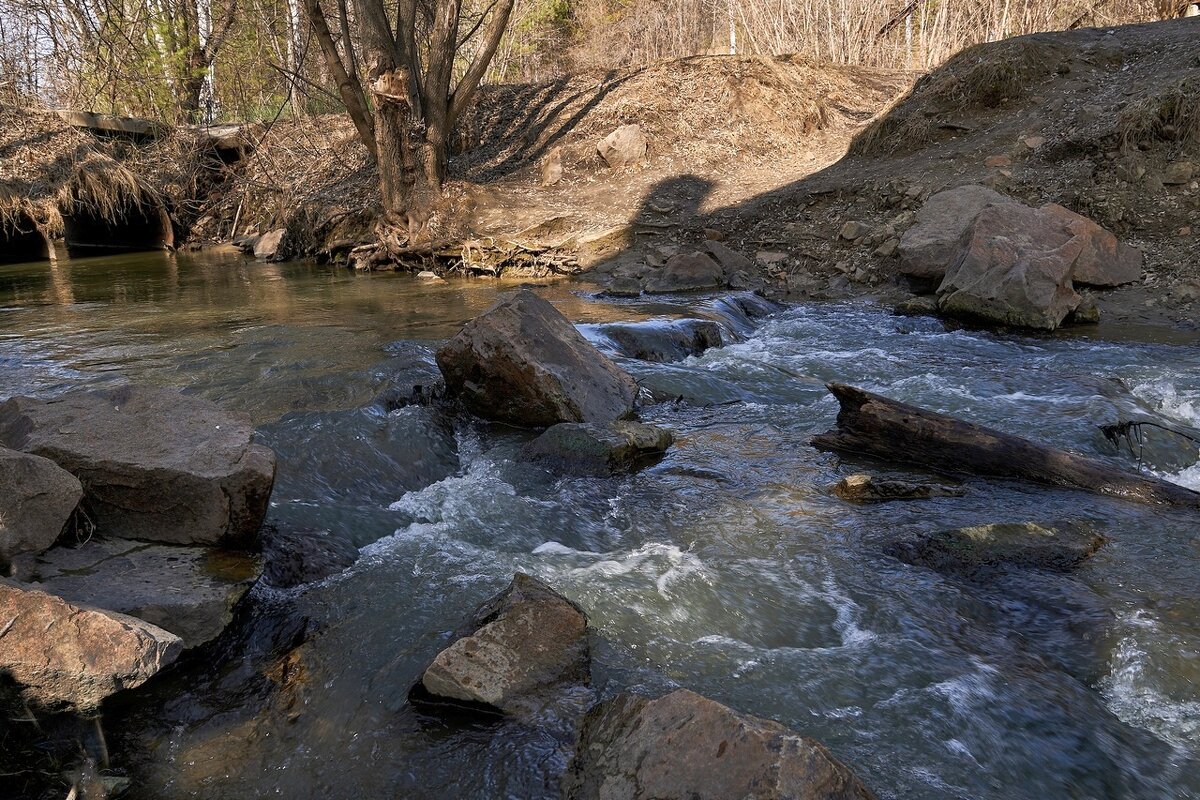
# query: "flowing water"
727,567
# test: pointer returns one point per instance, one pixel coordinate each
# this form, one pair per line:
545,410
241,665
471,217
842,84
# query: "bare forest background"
213,60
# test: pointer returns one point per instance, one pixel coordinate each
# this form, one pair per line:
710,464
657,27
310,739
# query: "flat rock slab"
521,649
523,363
864,488
70,657
593,449
189,591
972,550
687,747
37,498
154,464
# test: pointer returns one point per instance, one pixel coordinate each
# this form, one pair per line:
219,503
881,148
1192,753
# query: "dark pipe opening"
20,240
143,226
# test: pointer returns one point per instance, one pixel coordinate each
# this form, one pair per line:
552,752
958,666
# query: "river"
727,567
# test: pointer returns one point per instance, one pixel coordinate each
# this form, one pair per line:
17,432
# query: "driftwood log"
869,424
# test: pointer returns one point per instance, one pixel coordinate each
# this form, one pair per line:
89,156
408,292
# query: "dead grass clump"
985,76
1171,116
104,187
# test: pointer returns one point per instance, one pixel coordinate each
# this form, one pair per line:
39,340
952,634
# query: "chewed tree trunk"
410,153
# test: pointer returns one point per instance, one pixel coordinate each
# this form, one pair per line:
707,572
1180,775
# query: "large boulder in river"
930,247
189,591
520,650
687,747
1014,268
37,498
590,448
523,363
155,464
66,656
1103,260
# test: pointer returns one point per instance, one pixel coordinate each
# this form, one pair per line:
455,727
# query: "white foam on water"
1131,690
1163,395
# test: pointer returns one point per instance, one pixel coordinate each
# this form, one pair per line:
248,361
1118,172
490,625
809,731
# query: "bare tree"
411,56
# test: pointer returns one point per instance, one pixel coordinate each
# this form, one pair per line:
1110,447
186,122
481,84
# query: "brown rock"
869,489
730,260
521,648
930,247
271,246
1014,269
687,747
624,146
686,272
552,168
1103,261
37,498
523,363
67,656
998,161
1178,172
154,464
854,230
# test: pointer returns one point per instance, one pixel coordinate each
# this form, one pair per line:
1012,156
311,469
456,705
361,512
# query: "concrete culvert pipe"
141,225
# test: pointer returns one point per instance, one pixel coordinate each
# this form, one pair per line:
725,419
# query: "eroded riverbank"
728,568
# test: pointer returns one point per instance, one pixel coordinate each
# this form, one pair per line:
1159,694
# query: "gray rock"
624,146
70,657
189,591
971,551
1102,260
1014,268
730,260
154,464
687,747
685,272
271,246
523,363
1178,173
623,286
920,306
664,340
521,649
854,230
929,247
869,489
597,449
37,498
294,558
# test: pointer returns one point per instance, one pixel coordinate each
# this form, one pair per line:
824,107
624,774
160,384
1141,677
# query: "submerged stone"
869,489
1022,544
296,557
664,340
688,747
590,449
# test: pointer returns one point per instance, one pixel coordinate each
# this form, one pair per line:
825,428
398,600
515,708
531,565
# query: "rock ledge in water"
592,449
1021,544
155,464
67,656
521,649
523,363
687,747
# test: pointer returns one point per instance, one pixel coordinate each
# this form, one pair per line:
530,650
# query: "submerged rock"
597,449
664,340
869,489
1022,544
154,464
70,657
523,363
919,306
293,558
37,498
687,747
189,591
1013,269
520,650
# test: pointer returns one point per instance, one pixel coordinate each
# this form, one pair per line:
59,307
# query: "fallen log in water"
872,425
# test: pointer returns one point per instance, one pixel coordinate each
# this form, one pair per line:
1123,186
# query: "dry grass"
981,77
1170,115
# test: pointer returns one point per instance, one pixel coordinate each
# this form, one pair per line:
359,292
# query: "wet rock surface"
71,657
523,363
864,488
520,652
189,591
296,557
37,498
687,747
598,449
154,464
979,549
664,340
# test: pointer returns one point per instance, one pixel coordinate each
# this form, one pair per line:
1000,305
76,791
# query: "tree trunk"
410,152
876,426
